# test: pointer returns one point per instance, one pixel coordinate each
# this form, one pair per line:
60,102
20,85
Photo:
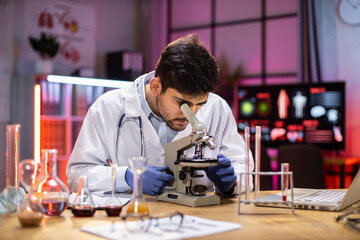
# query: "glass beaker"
113,205
138,205
51,191
12,200
30,212
83,205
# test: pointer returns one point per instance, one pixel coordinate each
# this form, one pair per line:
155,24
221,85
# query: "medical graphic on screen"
298,113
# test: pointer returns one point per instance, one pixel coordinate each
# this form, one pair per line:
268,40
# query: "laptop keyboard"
325,196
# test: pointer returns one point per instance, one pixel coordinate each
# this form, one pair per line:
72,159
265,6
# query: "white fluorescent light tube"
89,81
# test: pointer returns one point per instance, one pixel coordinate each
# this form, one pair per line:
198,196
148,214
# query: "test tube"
284,180
257,159
247,165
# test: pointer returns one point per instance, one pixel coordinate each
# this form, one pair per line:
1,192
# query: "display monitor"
296,113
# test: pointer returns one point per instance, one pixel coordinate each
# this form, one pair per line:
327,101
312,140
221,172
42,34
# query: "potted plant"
47,46
228,79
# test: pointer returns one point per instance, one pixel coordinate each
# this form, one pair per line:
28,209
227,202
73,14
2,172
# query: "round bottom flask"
51,191
30,213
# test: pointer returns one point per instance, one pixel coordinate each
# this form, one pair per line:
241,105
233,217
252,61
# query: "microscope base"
189,200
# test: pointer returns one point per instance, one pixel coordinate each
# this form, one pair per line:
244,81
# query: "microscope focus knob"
182,176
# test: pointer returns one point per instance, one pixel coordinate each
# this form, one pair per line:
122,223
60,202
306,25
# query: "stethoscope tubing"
120,124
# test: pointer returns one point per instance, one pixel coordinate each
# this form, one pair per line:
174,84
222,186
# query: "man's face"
168,105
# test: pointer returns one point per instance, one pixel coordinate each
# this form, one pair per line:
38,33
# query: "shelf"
63,107
51,118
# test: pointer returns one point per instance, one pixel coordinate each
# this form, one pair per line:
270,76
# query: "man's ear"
155,86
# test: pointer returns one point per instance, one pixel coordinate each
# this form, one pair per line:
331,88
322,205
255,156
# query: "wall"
340,57
7,22
115,31
151,36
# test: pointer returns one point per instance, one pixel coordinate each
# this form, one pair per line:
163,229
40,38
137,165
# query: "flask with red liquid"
51,192
113,205
83,205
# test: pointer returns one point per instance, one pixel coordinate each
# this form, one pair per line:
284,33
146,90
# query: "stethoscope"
121,121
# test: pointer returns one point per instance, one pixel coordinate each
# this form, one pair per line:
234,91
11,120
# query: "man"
141,119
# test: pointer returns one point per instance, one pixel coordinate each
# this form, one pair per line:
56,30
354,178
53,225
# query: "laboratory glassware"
83,205
138,205
30,212
12,200
284,181
51,191
257,159
247,162
113,205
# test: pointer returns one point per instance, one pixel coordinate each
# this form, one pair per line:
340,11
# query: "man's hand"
154,180
223,175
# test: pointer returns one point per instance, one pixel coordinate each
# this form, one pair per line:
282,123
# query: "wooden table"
257,222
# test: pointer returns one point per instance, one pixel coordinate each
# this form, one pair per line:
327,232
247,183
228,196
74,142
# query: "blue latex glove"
154,180
223,175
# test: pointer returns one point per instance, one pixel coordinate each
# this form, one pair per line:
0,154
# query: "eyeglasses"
352,218
169,222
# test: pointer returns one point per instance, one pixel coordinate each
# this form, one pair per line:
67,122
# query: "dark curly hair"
187,66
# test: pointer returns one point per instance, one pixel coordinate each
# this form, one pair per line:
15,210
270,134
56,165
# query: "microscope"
186,191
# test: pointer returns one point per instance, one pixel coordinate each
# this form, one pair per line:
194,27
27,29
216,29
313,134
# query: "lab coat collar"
133,108
132,103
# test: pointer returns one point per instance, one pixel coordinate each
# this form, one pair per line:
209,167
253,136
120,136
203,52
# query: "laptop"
317,199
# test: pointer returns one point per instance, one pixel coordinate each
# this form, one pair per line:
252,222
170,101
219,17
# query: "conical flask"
51,191
30,212
83,205
113,205
138,205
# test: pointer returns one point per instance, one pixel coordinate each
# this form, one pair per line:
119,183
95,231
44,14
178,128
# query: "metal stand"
256,200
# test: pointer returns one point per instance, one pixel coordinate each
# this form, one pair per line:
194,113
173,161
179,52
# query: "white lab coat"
96,142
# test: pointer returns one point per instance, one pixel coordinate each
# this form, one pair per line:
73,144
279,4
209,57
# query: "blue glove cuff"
230,192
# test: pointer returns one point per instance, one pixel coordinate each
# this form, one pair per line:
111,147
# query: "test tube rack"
256,200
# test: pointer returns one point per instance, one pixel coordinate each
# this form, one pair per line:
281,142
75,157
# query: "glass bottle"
137,205
113,205
12,200
83,205
51,191
30,212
